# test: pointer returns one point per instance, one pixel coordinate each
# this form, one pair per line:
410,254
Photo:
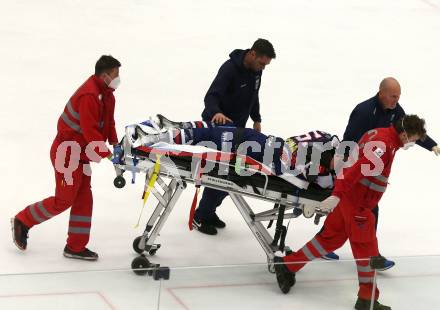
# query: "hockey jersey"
311,155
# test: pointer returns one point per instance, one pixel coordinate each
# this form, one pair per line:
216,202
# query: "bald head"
389,92
389,83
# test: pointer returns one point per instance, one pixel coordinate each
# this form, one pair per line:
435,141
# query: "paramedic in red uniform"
356,192
86,123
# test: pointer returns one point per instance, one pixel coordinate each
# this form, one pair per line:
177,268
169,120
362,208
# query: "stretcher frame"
144,159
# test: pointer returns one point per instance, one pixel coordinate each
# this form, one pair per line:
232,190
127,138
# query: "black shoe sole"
13,236
385,268
367,306
219,226
68,255
285,278
198,228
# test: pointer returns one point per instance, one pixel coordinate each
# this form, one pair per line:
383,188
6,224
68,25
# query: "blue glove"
117,154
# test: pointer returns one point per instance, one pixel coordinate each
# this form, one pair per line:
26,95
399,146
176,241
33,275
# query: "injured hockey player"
309,156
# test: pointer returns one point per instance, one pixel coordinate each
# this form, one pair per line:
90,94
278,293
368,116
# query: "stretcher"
240,176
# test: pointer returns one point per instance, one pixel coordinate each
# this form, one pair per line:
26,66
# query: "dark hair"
263,47
105,63
412,125
326,155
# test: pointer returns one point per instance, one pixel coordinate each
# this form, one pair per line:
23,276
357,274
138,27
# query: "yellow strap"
153,179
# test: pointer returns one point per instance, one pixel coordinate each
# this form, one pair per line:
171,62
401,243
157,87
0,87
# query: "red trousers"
77,196
345,222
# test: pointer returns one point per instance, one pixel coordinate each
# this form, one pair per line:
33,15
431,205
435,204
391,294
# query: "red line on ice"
184,306
99,294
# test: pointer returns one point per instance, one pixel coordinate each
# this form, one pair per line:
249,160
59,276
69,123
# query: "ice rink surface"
331,55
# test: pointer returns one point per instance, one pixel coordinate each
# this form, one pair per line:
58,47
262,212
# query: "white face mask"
115,82
408,145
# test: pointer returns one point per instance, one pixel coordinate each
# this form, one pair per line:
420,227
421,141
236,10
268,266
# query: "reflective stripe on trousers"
76,229
79,230
366,280
313,245
373,186
42,210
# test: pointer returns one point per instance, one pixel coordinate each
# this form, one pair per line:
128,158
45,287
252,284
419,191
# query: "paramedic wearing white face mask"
112,78
87,123
349,207
380,111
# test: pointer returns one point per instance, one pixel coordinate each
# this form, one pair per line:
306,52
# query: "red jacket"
362,190
89,116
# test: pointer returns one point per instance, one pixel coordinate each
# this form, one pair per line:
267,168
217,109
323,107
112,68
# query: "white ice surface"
331,55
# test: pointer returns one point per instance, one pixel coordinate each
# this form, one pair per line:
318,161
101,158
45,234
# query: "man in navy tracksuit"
380,111
232,98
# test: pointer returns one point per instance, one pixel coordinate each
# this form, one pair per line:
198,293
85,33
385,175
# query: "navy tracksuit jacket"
368,115
234,92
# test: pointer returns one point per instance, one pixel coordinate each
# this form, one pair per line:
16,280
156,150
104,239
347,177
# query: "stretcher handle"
317,218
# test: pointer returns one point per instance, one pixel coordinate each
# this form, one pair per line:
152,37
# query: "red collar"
103,88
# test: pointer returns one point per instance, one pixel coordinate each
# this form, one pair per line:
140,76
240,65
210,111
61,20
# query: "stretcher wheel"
136,247
140,265
119,181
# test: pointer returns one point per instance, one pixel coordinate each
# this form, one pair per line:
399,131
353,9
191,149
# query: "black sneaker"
216,222
19,233
380,263
85,254
365,304
204,227
285,278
